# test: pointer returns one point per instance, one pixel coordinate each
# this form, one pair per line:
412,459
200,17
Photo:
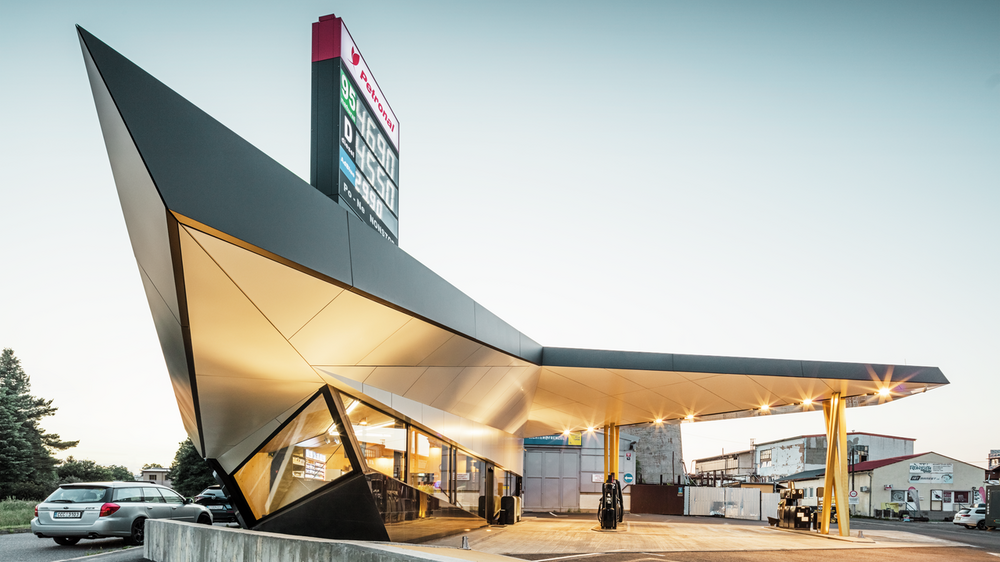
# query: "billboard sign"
931,473
353,126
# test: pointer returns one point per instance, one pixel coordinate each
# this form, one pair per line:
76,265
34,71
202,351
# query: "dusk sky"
795,180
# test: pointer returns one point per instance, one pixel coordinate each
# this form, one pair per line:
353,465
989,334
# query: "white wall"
966,477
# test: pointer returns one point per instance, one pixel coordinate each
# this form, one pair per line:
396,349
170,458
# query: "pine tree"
15,452
189,474
25,448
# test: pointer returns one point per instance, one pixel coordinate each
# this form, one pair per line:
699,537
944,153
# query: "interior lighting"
764,407
566,432
352,406
658,420
689,417
807,402
884,391
590,430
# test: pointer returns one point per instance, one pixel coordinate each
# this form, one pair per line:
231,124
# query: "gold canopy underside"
265,335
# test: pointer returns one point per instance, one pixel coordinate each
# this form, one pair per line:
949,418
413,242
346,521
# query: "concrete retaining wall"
173,541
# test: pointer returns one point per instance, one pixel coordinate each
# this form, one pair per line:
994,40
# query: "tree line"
28,467
27,464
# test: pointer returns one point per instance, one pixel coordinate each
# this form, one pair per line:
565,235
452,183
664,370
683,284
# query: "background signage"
931,473
355,133
573,440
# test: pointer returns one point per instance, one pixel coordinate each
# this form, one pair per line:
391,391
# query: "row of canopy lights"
883,392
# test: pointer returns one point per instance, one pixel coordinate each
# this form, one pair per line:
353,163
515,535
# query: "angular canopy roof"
263,289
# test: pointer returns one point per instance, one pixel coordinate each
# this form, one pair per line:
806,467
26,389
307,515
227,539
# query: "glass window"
469,477
429,465
78,494
151,495
382,438
305,454
128,495
172,497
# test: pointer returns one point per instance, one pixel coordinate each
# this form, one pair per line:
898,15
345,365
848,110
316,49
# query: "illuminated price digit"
348,97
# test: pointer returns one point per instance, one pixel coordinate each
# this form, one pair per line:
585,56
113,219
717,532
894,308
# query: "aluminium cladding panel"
606,359
737,365
150,231
856,371
210,174
494,331
531,350
384,271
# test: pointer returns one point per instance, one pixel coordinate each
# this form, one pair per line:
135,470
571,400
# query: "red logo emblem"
355,57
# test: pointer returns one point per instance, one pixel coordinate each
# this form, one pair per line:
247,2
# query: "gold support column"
607,457
836,483
614,450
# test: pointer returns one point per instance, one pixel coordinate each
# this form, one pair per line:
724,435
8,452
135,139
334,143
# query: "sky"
795,180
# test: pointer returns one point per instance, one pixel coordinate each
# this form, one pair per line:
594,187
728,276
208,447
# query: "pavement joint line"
95,555
570,556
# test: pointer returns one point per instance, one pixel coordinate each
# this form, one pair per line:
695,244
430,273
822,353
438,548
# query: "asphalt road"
25,547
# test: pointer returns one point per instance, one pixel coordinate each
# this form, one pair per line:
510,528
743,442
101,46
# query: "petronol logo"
355,56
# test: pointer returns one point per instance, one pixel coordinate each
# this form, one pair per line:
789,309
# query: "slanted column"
836,484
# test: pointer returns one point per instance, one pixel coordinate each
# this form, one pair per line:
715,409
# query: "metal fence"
733,503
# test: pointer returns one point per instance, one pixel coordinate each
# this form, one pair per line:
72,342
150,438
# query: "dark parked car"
221,506
110,509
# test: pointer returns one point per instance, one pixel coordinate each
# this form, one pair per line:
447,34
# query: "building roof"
872,465
823,435
805,475
724,456
263,289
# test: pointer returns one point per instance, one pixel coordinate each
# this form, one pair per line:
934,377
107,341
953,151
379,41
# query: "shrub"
16,513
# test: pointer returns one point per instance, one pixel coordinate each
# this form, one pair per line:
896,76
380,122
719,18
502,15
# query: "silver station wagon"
110,509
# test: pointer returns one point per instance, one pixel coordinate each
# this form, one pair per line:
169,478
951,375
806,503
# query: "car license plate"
67,514
215,507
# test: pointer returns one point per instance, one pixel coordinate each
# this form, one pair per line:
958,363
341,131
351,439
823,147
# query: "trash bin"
508,510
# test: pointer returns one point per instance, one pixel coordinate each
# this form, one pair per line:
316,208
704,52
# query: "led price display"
355,134
369,164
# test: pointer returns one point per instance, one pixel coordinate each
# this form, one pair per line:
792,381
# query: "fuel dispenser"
611,508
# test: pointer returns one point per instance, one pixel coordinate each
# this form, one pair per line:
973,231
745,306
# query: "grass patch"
16,514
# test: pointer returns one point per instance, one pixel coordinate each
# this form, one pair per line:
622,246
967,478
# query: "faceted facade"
339,387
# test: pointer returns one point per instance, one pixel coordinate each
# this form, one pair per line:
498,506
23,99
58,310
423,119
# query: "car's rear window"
79,494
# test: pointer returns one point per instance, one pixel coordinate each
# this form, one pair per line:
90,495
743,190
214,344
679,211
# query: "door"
156,507
551,480
178,509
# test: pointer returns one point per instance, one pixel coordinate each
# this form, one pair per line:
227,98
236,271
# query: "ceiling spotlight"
658,420
590,430
884,391
566,432
689,417
807,402
764,408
